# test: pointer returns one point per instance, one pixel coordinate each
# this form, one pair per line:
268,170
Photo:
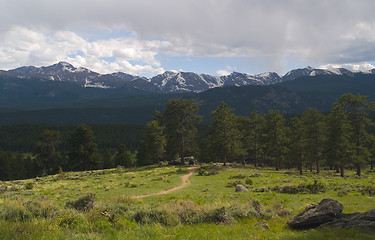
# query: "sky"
217,37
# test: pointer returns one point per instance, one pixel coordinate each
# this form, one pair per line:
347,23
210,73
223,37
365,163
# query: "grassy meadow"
208,208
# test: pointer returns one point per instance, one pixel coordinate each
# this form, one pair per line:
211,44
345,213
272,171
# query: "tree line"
48,157
343,138
340,139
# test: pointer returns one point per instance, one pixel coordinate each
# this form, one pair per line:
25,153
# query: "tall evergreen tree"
46,151
223,133
152,147
274,137
313,122
122,157
296,153
83,153
357,107
180,118
339,149
254,133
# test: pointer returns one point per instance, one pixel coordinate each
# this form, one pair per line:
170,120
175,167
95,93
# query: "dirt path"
185,182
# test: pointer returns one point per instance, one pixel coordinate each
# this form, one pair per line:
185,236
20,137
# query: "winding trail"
185,182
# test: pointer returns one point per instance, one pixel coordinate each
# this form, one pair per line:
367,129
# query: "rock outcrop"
326,211
329,213
241,188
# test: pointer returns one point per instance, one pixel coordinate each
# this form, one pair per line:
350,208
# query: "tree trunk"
317,166
225,159
358,169
256,154
372,165
342,170
277,164
300,168
243,160
182,150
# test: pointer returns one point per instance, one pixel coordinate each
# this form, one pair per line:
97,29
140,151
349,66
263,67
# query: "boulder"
326,211
355,220
241,188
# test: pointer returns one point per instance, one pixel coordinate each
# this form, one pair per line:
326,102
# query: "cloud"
222,72
313,32
361,67
22,46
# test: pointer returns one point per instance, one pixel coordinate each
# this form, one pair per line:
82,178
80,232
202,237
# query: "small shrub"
16,213
239,176
249,181
368,190
69,219
157,179
209,170
85,203
164,217
219,216
316,187
233,184
342,192
279,209
313,188
29,186
130,185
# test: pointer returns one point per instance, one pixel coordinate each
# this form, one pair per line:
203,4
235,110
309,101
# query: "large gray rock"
355,220
326,211
241,188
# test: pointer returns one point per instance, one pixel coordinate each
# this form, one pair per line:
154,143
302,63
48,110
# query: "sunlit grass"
40,212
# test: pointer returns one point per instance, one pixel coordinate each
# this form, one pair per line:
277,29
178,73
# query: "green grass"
206,209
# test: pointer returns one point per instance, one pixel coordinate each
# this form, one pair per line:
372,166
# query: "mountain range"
64,94
168,82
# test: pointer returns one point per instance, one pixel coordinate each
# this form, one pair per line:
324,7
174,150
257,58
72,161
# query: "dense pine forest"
339,139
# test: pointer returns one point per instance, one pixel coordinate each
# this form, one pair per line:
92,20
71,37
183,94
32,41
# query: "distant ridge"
167,82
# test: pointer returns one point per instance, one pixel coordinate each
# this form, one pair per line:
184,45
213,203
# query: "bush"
29,185
164,217
239,176
209,170
85,203
368,190
233,184
249,181
220,216
69,219
24,211
313,188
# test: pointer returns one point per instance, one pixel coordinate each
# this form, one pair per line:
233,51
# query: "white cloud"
313,32
361,67
222,72
22,46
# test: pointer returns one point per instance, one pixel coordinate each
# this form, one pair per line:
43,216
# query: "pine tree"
223,133
274,137
83,154
254,133
152,147
180,118
357,107
296,153
313,132
339,149
46,151
122,157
